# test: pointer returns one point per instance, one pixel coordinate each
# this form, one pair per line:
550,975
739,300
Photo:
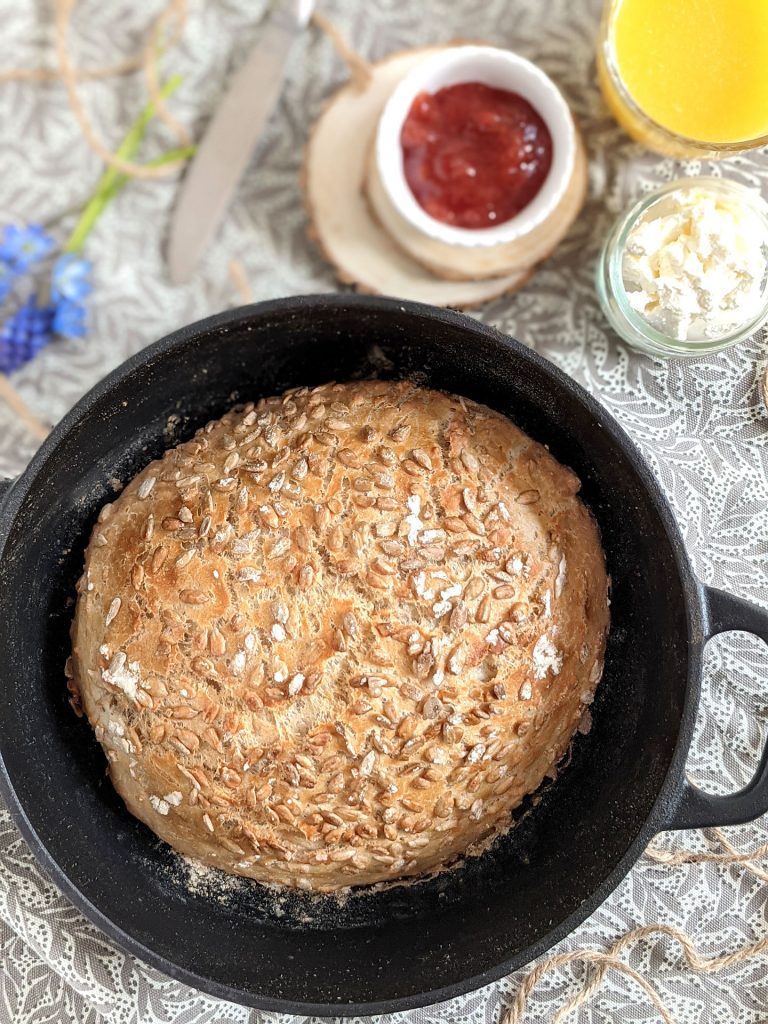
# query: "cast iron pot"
403,947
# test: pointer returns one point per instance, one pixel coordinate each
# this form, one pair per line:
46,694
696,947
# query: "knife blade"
231,137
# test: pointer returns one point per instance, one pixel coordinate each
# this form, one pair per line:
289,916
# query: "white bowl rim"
494,66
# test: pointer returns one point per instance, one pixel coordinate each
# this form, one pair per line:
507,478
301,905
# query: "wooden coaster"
362,252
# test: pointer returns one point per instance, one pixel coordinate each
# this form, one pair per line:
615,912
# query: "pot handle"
695,808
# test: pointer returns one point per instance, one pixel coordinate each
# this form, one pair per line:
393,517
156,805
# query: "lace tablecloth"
700,425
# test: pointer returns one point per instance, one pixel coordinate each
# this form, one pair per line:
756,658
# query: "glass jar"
703,87
628,323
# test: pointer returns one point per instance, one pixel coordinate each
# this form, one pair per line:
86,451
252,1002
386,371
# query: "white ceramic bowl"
500,69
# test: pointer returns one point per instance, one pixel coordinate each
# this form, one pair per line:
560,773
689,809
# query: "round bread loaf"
339,635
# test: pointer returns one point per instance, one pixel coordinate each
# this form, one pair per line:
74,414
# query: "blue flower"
70,278
24,334
69,319
21,247
7,274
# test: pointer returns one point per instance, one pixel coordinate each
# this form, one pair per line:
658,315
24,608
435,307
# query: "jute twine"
604,961
731,856
240,280
21,410
175,11
597,961
146,60
359,68
68,73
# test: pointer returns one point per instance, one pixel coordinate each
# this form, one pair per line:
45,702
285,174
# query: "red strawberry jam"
474,156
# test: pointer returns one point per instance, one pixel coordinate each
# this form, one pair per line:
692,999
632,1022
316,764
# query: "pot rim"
669,794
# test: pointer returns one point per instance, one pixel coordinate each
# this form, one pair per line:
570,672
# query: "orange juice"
697,69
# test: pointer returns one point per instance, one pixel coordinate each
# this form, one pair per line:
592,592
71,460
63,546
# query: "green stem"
112,180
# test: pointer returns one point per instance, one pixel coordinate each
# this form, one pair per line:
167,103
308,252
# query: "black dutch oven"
405,946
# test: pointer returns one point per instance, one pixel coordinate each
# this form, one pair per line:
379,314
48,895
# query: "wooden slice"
362,252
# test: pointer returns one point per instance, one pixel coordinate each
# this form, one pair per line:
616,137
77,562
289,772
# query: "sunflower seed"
300,470
443,806
475,753
349,624
422,459
348,458
465,548
241,504
186,557
146,487
506,632
483,610
280,547
202,666
474,524
407,727
280,612
114,608
269,517
469,460
186,483
432,707
217,643
249,574
296,684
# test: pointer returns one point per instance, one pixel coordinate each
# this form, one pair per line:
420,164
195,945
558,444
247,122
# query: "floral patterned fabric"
700,425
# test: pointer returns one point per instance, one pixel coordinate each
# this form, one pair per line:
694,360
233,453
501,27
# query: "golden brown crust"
337,636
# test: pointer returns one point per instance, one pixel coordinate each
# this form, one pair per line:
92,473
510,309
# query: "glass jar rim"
616,244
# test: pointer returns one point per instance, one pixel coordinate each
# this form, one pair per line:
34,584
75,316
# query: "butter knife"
231,137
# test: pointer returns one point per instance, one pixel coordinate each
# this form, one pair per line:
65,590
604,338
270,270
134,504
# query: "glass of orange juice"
687,77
